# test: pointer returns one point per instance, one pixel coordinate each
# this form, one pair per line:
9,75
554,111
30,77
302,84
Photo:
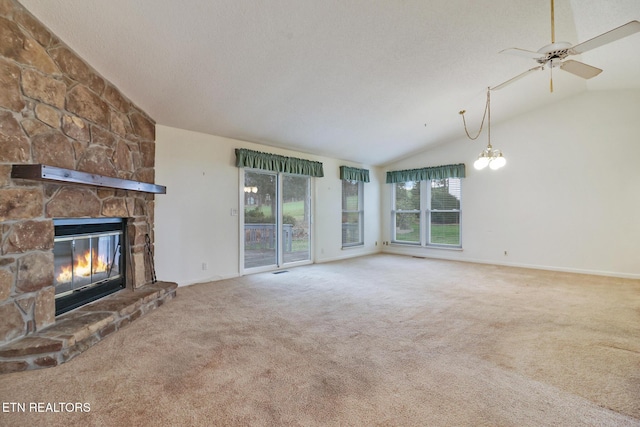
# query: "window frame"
395,211
425,218
431,211
359,211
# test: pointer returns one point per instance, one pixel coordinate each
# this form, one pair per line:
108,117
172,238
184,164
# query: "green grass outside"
265,209
445,234
297,245
295,209
441,234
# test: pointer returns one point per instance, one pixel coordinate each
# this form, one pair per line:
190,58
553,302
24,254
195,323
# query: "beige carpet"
381,340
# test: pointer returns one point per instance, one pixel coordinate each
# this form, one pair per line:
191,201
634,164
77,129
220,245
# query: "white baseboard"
416,252
348,254
209,279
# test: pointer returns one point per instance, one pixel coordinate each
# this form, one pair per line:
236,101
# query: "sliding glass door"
296,218
277,219
260,219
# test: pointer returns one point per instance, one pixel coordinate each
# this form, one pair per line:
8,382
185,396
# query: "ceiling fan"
553,55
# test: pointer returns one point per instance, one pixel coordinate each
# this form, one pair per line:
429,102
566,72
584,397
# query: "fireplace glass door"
88,261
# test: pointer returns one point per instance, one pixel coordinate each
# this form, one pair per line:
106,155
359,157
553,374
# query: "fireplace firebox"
89,260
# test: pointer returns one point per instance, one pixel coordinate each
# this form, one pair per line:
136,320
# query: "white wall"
193,221
568,198
576,210
329,213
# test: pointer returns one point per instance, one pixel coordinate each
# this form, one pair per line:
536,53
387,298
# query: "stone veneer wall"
56,110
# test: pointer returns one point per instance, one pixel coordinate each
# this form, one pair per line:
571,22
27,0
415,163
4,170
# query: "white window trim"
425,219
241,235
360,213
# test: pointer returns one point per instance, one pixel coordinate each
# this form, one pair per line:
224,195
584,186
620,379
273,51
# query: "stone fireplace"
55,110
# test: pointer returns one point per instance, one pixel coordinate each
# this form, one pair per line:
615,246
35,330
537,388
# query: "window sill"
355,246
417,245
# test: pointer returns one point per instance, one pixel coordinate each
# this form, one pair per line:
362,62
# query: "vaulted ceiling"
369,81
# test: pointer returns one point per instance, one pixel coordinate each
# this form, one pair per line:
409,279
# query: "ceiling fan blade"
518,77
580,69
522,52
608,37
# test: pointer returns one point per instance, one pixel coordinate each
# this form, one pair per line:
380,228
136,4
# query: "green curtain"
354,174
424,174
273,162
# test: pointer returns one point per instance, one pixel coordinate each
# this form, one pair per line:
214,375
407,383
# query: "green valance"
273,162
424,174
354,174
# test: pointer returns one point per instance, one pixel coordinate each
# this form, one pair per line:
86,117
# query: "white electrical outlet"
204,266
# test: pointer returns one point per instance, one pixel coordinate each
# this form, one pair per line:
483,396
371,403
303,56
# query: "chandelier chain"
484,116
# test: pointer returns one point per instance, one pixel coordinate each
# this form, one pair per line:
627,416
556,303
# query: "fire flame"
85,264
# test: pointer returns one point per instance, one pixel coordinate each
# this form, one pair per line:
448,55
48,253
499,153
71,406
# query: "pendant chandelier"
490,156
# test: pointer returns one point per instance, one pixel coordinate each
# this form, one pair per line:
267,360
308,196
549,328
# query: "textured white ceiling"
369,81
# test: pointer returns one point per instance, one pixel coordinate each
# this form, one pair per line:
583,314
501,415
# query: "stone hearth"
80,329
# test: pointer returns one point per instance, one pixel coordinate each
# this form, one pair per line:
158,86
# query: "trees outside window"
427,213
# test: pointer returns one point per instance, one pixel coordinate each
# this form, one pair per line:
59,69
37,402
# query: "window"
444,212
352,213
407,212
427,213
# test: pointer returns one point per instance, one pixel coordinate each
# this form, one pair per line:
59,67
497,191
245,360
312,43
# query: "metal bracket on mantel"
40,172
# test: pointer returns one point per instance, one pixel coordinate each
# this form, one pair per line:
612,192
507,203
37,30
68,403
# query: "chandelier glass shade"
490,157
